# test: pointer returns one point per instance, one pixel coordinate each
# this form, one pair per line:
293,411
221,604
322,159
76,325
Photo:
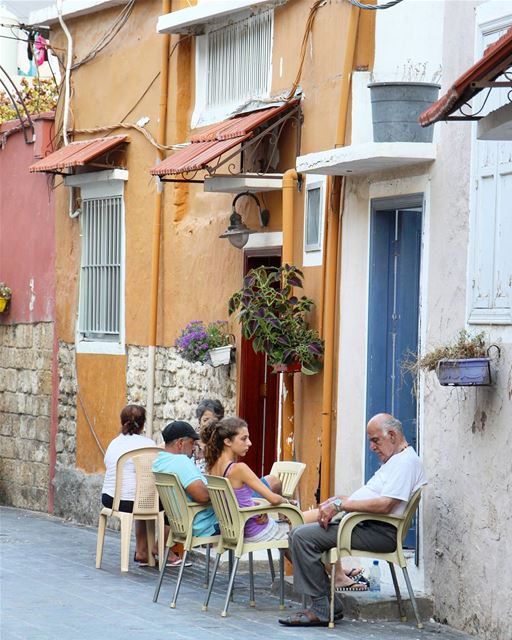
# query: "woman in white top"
133,418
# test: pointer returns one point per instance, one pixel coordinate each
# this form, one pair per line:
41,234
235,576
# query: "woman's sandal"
141,563
359,584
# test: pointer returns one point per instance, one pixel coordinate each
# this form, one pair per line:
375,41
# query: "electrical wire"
108,36
129,125
22,102
67,81
304,45
374,7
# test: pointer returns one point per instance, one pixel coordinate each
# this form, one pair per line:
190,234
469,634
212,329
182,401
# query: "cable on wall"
374,7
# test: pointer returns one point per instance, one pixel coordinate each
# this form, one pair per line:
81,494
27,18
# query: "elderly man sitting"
387,491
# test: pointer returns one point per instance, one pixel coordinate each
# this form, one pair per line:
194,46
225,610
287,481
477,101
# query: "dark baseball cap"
178,429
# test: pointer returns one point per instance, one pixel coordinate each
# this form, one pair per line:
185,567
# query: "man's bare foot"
346,579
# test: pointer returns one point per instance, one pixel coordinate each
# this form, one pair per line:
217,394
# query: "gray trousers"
309,541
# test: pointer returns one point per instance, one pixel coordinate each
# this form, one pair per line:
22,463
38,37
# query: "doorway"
393,316
259,387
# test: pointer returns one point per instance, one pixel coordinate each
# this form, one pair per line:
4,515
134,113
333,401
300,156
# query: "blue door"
393,315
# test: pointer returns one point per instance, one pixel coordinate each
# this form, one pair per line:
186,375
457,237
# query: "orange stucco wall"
101,385
198,270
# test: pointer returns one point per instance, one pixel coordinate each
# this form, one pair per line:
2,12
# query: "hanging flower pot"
5,297
220,355
469,372
292,367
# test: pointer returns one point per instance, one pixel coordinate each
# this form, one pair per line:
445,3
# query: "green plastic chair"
232,519
344,548
180,513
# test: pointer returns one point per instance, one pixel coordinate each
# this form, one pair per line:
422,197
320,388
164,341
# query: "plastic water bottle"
375,576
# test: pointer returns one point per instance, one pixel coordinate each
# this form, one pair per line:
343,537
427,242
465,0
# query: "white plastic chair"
290,474
145,507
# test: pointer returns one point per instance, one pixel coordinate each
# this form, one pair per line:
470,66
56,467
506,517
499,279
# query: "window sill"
103,348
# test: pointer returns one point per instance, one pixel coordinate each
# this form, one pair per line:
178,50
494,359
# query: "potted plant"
464,363
275,319
220,343
205,343
5,297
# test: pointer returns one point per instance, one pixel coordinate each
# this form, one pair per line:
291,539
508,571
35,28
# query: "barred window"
100,272
233,66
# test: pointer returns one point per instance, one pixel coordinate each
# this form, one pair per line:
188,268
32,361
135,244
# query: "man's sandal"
306,618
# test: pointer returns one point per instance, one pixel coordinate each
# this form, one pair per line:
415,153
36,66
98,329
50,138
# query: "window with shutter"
490,259
314,207
233,66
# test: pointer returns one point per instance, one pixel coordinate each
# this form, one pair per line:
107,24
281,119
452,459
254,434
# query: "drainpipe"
157,223
334,214
290,179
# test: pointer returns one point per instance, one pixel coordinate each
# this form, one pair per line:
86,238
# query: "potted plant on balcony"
5,297
464,363
205,343
275,320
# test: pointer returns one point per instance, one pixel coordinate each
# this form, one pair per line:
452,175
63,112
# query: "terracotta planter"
470,372
220,355
292,367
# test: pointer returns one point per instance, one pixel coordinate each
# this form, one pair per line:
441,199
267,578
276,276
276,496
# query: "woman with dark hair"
226,441
209,409
133,418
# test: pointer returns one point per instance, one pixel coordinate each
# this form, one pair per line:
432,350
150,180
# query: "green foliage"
39,95
275,319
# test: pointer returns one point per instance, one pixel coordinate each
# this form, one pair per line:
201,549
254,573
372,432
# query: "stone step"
370,605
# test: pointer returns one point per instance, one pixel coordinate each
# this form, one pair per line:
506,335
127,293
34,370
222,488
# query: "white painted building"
425,253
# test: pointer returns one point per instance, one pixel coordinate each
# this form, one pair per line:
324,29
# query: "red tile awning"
77,154
496,60
212,141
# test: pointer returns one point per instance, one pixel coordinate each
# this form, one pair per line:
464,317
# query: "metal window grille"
239,59
100,276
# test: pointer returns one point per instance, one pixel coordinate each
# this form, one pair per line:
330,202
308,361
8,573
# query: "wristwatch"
338,504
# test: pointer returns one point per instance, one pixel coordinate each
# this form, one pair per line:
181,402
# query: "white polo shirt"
398,478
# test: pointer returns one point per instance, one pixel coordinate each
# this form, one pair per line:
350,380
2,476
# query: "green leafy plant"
465,346
275,319
5,291
218,334
39,95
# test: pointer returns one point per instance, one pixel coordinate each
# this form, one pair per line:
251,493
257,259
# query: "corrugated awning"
496,60
77,154
212,141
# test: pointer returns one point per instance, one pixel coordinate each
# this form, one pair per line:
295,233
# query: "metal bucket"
396,107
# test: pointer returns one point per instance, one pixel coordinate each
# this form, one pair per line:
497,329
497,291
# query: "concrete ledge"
370,605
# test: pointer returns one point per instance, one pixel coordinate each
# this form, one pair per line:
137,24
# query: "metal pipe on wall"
157,224
290,180
334,213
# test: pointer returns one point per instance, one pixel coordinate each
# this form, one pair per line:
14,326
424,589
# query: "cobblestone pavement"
51,590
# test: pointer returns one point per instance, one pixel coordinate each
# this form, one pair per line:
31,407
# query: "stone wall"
179,385
25,403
